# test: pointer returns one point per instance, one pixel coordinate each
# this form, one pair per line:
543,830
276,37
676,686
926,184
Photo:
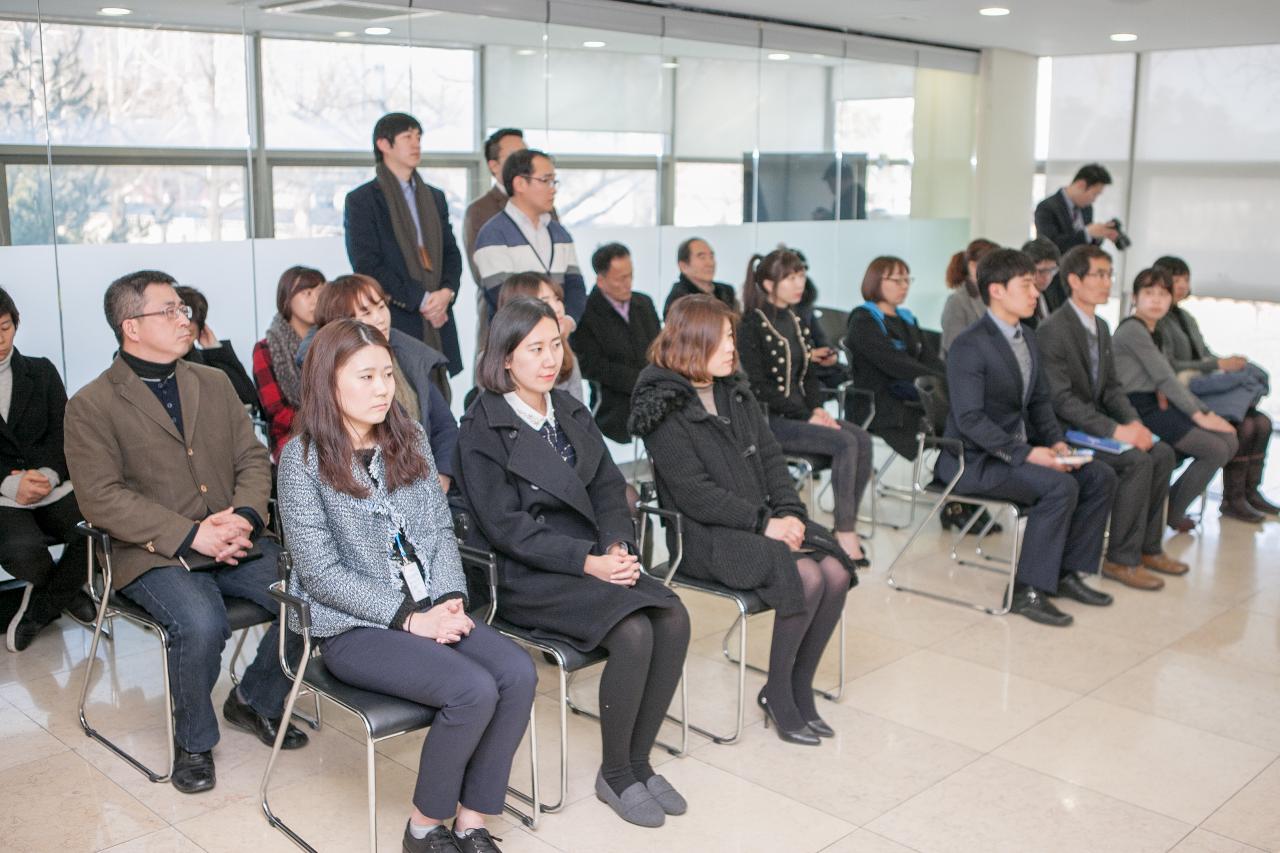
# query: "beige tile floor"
1150,725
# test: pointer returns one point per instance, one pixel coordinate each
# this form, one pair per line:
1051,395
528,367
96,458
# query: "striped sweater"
502,251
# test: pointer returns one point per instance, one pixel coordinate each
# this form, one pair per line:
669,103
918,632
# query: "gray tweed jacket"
341,545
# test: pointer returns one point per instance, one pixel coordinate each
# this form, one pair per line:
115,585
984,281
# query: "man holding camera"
1066,217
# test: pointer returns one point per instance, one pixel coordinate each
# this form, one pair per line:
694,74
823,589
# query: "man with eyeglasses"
1045,255
1087,396
165,460
525,238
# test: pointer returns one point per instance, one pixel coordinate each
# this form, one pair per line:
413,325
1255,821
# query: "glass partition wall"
218,143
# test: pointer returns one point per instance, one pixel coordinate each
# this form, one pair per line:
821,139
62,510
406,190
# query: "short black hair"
1092,174
519,165
603,257
1152,277
7,307
1173,265
998,267
199,305
1076,261
389,127
1041,249
510,325
125,297
685,249
495,139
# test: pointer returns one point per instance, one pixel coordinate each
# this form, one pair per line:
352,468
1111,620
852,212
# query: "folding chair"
384,717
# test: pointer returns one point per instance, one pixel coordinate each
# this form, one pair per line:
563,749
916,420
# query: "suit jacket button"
513,433
151,547
203,488
534,487
541,519
190,452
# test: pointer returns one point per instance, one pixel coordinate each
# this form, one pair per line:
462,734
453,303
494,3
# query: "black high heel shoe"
804,735
820,728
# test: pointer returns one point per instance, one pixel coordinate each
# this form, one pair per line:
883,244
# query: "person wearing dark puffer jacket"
717,463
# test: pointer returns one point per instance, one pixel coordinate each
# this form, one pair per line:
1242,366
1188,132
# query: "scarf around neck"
409,238
283,343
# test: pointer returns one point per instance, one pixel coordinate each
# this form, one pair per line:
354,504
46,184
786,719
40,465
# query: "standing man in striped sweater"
524,238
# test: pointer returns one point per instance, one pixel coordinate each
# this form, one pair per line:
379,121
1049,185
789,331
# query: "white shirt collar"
528,414
524,221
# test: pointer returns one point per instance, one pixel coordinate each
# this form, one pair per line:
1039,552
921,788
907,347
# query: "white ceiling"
1041,27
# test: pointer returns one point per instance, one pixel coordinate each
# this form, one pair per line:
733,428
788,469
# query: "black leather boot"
1234,503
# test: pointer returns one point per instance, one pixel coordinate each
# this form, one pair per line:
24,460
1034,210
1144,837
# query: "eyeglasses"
1109,274
1047,272
170,313
904,279
550,180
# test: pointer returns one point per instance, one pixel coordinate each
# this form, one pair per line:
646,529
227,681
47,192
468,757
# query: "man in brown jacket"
165,460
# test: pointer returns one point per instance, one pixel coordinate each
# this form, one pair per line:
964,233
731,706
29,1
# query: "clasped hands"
32,488
445,623
1051,457
224,536
615,565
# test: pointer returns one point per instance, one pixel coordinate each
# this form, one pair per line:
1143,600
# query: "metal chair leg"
832,695
371,759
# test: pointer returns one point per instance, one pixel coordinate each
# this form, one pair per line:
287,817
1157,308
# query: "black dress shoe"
82,609
439,840
1036,606
477,841
241,715
192,771
1073,586
820,728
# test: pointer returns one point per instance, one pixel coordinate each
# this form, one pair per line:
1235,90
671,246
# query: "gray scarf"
407,237
283,343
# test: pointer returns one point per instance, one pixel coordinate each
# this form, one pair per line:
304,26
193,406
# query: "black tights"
800,639
646,656
1254,432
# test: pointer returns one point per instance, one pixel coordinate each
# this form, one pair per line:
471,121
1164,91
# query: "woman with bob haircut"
548,500
375,557
1166,406
419,369
542,288
776,350
276,366
718,465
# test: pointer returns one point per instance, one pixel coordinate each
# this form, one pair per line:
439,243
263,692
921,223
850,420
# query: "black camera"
1122,240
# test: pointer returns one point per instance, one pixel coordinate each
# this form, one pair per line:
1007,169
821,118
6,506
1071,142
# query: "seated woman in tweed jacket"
375,556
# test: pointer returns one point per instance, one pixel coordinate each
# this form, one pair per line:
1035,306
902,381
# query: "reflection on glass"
326,95
877,127
308,201
129,204
708,194
627,197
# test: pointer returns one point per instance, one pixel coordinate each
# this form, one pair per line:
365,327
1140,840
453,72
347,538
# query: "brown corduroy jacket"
145,483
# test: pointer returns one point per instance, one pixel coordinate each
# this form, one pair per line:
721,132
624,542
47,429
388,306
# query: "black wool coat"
31,437
726,475
543,518
611,352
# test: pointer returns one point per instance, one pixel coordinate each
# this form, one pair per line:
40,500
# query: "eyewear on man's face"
1107,274
1046,272
549,180
169,312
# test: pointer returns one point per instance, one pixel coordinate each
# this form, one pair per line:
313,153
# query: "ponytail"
774,267
958,268
957,271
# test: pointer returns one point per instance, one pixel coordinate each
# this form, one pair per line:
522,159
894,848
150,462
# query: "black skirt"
1171,423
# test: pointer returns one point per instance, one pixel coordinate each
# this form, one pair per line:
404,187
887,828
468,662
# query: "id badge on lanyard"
409,570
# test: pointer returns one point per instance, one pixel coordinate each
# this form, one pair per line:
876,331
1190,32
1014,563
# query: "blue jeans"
189,605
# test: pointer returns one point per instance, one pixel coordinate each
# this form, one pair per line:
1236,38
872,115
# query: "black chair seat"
242,613
574,660
751,601
387,715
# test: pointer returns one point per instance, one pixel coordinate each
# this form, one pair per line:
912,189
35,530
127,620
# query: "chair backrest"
936,402
833,321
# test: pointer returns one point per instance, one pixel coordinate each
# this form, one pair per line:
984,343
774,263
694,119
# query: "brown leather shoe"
1182,525
1165,564
1134,576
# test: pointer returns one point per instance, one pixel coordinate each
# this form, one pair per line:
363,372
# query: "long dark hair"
773,267
320,422
511,325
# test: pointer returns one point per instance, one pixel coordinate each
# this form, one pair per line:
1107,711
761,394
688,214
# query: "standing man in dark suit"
612,343
1087,396
398,232
1001,411
1066,217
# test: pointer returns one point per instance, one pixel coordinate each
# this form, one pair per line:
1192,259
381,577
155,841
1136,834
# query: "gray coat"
1181,346
1143,368
341,545
959,313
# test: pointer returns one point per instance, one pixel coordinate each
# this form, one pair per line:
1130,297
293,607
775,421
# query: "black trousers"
483,686
24,552
1066,520
1137,517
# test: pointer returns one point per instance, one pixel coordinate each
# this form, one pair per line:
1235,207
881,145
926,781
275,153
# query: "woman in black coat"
546,496
719,466
778,356
888,352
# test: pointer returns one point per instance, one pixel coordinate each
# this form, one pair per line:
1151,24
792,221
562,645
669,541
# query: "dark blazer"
685,287
1077,401
726,475
877,365
987,404
543,519
1053,220
31,437
612,352
147,484
373,251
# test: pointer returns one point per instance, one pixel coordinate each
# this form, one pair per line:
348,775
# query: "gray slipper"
635,805
667,796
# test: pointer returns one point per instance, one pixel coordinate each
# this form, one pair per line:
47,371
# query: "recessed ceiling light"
994,11
525,51
346,34
114,11
377,31
593,44
779,57
1124,37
